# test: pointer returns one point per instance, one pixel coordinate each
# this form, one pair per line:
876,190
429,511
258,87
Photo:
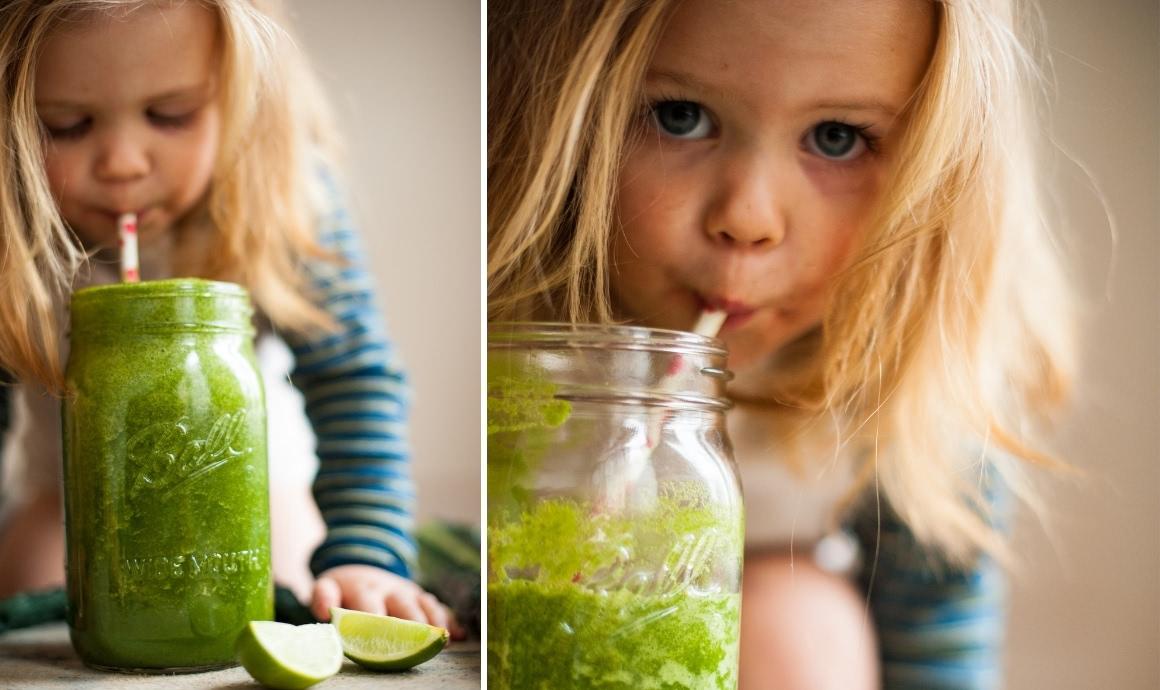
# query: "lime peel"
289,657
386,643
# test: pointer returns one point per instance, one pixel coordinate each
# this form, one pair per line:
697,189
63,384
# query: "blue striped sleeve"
357,398
6,383
939,627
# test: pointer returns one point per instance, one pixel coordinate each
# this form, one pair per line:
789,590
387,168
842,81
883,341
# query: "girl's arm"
356,399
5,413
939,627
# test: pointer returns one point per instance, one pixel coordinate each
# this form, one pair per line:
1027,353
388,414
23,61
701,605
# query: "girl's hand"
374,590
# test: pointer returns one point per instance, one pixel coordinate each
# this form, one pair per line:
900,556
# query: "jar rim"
155,307
171,287
602,336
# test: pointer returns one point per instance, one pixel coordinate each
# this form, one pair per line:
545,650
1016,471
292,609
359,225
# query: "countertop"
42,657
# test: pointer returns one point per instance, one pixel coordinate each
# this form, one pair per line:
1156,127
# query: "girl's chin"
753,348
743,355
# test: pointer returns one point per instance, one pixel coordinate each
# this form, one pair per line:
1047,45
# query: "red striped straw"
127,231
708,324
620,483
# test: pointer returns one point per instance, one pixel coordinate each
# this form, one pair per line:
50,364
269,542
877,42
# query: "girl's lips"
729,306
115,215
144,216
736,320
737,313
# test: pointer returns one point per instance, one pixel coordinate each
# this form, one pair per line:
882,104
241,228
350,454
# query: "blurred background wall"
1087,610
404,76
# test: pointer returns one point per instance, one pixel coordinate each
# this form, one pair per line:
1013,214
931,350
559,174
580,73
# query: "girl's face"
767,142
129,105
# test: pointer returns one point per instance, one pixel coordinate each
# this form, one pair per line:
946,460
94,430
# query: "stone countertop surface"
42,657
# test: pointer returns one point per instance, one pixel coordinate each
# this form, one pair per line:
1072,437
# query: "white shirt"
791,495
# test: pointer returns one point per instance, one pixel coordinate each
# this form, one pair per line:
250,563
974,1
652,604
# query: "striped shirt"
939,627
357,398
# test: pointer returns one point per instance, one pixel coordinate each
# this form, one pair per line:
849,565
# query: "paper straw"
708,324
127,231
622,481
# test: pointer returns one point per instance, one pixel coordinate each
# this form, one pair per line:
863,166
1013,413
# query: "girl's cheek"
654,181
845,182
654,223
60,170
200,157
209,125
639,198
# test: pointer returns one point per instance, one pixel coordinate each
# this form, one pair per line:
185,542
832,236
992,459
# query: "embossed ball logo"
166,455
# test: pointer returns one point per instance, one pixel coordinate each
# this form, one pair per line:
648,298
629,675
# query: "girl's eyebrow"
171,94
182,92
678,77
690,82
862,105
686,81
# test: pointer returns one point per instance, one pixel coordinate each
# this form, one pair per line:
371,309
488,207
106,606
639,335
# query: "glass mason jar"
167,518
614,510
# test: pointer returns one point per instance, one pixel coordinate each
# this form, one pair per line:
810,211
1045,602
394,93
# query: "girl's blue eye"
682,119
837,141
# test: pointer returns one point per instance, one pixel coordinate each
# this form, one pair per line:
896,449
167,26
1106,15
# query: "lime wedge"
386,643
289,657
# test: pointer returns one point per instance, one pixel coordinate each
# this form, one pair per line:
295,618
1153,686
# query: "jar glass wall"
166,498
614,510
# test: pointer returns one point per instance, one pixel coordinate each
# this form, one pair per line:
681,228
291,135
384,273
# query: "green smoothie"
566,609
581,597
167,516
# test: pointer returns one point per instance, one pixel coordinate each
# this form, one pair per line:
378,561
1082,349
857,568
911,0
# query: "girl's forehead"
125,56
876,49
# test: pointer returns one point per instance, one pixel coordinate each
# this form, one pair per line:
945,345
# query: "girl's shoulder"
335,227
883,530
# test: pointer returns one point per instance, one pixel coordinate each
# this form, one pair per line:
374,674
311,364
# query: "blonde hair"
954,322
256,224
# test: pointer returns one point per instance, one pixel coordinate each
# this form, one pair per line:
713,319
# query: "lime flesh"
289,657
386,643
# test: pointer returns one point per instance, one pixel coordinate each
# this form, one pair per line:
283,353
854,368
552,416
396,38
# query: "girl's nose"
747,212
122,157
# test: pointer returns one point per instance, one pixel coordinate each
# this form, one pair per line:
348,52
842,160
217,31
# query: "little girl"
204,120
852,184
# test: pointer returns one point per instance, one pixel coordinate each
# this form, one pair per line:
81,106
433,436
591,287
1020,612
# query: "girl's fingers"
326,595
458,632
405,604
437,614
403,600
366,599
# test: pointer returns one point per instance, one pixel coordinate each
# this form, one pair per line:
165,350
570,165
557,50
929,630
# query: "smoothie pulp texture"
578,614
166,499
